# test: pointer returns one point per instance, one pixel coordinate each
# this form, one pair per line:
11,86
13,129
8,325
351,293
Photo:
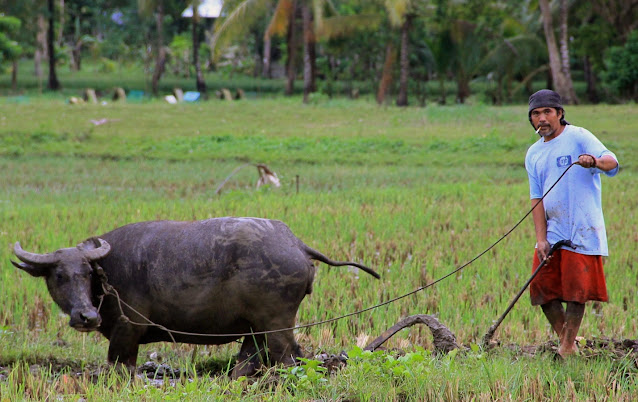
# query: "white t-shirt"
573,208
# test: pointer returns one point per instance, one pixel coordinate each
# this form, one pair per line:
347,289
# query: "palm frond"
530,76
239,19
322,9
279,22
511,53
396,10
344,25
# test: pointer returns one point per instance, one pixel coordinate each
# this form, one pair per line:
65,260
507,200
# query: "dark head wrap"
545,98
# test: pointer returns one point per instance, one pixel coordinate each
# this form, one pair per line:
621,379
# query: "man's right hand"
542,249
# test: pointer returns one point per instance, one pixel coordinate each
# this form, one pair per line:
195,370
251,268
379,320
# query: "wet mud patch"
51,364
587,348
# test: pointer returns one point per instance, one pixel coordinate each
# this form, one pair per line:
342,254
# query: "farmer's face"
548,119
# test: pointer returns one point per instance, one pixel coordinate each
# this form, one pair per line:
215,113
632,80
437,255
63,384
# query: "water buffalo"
216,276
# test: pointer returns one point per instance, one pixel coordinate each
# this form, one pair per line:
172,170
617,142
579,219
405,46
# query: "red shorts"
569,276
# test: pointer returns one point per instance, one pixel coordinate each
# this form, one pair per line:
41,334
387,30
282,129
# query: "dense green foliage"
413,193
623,67
9,48
493,48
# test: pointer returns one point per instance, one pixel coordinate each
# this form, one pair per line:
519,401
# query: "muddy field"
444,341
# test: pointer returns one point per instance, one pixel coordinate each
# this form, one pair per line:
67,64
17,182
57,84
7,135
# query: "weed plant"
413,193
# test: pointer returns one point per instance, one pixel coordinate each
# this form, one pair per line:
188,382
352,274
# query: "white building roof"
206,9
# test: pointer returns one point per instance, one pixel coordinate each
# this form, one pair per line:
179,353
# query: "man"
571,211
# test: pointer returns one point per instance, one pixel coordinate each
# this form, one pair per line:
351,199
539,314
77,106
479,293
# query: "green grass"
413,193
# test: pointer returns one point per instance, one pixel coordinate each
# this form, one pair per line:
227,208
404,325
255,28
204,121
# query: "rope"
238,335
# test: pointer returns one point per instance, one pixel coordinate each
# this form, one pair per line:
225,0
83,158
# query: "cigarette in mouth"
538,129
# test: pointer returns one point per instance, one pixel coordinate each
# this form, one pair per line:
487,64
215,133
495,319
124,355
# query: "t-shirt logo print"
563,161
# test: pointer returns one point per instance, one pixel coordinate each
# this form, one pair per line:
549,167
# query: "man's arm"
604,163
540,225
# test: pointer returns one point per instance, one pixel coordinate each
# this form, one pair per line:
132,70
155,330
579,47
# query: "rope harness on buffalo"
110,290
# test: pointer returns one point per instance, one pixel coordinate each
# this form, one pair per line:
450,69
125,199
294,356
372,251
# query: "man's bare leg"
573,318
555,314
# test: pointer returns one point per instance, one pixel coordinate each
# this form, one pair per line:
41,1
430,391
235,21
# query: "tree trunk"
562,84
54,84
14,75
266,72
76,48
309,59
404,76
386,75
258,69
443,92
200,84
40,46
161,52
590,78
291,39
312,53
76,56
60,36
564,50
462,86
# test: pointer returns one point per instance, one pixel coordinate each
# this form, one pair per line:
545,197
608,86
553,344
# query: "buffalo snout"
85,320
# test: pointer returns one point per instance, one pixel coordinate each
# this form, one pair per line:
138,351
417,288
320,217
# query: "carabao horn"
34,259
97,253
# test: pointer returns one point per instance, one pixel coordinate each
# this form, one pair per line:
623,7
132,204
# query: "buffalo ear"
32,270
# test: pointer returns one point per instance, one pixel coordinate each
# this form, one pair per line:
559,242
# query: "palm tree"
564,50
241,14
54,84
156,7
404,75
319,20
386,73
561,77
517,56
441,46
514,54
322,21
283,22
199,77
467,51
309,55
402,13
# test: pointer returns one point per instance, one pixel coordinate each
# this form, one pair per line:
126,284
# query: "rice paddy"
413,193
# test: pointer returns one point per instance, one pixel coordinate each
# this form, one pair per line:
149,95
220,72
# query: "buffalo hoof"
244,369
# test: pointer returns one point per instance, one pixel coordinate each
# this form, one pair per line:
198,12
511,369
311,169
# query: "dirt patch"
443,339
589,348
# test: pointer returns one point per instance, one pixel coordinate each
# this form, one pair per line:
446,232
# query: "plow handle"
490,333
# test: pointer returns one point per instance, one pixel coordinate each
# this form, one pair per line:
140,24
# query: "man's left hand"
587,161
